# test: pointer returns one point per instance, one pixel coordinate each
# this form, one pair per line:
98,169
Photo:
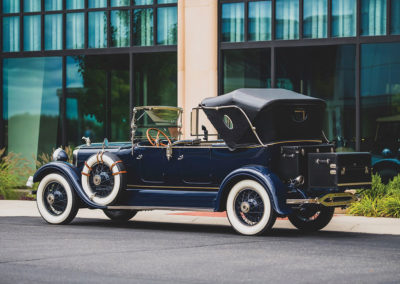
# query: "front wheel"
249,208
120,215
56,200
312,218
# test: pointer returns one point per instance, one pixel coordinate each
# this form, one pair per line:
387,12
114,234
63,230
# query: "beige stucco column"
197,54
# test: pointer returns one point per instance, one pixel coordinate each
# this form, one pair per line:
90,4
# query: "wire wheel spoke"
249,207
104,187
55,198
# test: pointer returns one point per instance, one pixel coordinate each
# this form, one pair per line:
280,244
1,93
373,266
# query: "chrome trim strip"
160,208
354,183
170,187
327,200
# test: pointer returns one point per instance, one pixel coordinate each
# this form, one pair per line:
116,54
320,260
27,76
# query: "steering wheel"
156,141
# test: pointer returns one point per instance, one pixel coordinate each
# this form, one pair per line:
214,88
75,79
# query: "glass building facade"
76,68
346,52
84,64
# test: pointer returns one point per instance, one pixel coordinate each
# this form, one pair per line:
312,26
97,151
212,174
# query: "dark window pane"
166,1
260,20
53,32
287,19
143,27
120,30
247,68
233,22
315,18
344,18
160,68
11,6
395,20
119,3
143,2
75,4
373,17
97,30
10,34
53,5
75,31
380,97
167,25
32,5
327,73
90,80
97,3
33,127
32,33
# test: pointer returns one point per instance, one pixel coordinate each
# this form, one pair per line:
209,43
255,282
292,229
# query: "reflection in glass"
97,29
167,25
287,19
32,33
10,34
75,29
344,18
33,127
120,30
246,68
75,4
380,97
89,80
260,20
232,22
143,27
395,20
143,2
327,73
373,17
160,68
32,5
53,5
166,1
315,18
97,3
53,32
11,6
119,3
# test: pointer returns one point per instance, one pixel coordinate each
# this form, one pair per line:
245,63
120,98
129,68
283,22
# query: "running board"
140,208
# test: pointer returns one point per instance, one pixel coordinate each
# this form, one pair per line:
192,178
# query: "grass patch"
381,200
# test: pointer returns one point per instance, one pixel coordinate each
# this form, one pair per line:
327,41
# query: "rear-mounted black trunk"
339,170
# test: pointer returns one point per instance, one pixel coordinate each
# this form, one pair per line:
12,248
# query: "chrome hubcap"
97,179
245,207
50,199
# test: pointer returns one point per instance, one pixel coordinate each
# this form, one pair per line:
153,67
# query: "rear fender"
275,188
72,175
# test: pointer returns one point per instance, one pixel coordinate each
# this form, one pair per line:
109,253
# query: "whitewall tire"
103,177
249,208
56,200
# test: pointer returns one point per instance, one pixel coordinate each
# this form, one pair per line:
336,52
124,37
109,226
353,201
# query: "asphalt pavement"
158,247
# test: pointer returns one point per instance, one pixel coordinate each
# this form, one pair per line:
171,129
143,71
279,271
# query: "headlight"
60,155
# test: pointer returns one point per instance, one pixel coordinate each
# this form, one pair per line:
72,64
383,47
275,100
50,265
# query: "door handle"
180,157
139,157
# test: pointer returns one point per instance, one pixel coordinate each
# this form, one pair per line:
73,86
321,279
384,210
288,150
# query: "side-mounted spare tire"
103,178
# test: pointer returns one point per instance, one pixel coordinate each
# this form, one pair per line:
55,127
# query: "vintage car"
270,159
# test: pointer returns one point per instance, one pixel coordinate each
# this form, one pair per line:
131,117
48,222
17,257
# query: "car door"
195,165
152,164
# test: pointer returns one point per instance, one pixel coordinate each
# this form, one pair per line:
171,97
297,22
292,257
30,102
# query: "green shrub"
380,200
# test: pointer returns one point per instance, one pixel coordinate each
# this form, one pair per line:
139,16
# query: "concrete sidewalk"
340,223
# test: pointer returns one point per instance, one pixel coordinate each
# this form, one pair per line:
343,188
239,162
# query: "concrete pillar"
197,54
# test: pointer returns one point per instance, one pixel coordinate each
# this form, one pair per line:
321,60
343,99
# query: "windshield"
166,119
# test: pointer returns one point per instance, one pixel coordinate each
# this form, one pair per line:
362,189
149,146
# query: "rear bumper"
328,200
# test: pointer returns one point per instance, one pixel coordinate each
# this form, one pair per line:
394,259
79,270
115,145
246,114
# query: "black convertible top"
277,114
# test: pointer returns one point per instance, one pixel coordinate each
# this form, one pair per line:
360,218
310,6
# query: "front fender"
71,173
273,185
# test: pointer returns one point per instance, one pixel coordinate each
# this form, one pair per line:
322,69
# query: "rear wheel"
120,215
56,200
312,218
249,208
